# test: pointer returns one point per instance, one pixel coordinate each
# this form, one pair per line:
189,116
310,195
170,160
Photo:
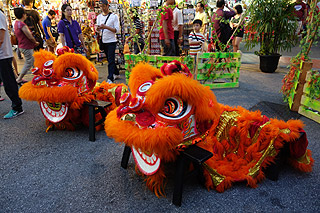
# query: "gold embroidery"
285,131
124,90
192,141
215,176
113,91
129,117
270,151
227,120
256,135
304,159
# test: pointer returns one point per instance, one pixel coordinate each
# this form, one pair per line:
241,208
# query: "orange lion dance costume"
167,111
63,84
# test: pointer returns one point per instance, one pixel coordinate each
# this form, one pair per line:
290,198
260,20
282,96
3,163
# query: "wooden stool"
193,154
94,108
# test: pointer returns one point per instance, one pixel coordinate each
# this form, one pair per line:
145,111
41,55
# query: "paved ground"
62,171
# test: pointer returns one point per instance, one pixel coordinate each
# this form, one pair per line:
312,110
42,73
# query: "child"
196,39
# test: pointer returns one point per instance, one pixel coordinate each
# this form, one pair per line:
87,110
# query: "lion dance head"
61,84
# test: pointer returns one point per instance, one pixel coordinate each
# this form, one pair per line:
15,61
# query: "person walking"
177,24
6,70
70,32
33,21
221,17
46,23
108,25
166,31
26,42
235,24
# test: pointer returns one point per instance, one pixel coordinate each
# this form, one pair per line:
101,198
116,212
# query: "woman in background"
234,23
70,32
26,41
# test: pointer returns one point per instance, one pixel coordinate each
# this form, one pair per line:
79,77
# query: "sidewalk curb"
284,62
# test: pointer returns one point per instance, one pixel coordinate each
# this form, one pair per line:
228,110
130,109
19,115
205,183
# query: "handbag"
51,43
100,37
14,40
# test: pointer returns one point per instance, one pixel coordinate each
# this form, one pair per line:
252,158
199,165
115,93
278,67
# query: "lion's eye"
175,109
72,73
144,88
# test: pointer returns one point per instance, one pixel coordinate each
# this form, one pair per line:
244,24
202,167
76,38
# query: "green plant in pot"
272,25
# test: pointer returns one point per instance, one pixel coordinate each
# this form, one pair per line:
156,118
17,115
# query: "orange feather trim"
49,94
188,90
155,182
77,60
147,140
42,56
305,166
236,161
137,77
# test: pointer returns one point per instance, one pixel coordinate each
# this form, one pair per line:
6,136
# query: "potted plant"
272,25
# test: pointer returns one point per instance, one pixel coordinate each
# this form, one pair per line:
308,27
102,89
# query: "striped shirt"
195,48
139,25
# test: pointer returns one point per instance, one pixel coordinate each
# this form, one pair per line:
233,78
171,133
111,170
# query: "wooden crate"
218,70
294,99
310,107
225,74
154,60
131,60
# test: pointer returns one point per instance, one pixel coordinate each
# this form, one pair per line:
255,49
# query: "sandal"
1,99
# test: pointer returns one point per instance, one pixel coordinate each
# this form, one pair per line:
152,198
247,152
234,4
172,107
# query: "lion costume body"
168,111
63,84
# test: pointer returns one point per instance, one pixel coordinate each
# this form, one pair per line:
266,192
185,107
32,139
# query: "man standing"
6,70
108,25
166,31
201,15
177,24
46,23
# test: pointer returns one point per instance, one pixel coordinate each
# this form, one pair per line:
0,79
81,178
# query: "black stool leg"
178,182
92,129
125,157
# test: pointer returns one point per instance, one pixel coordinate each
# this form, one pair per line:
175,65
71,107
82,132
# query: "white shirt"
177,19
113,22
5,48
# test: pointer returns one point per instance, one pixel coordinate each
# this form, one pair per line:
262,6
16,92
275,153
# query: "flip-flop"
1,99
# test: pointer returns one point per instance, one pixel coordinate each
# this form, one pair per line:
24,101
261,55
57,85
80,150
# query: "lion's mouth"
45,81
147,164
54,112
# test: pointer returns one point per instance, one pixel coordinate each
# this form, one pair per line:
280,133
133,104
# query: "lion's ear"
40,57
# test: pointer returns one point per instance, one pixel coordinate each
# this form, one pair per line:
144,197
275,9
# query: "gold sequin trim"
256,135
112,91
215,176
129,117
304,159
270,151
193,140
227,120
